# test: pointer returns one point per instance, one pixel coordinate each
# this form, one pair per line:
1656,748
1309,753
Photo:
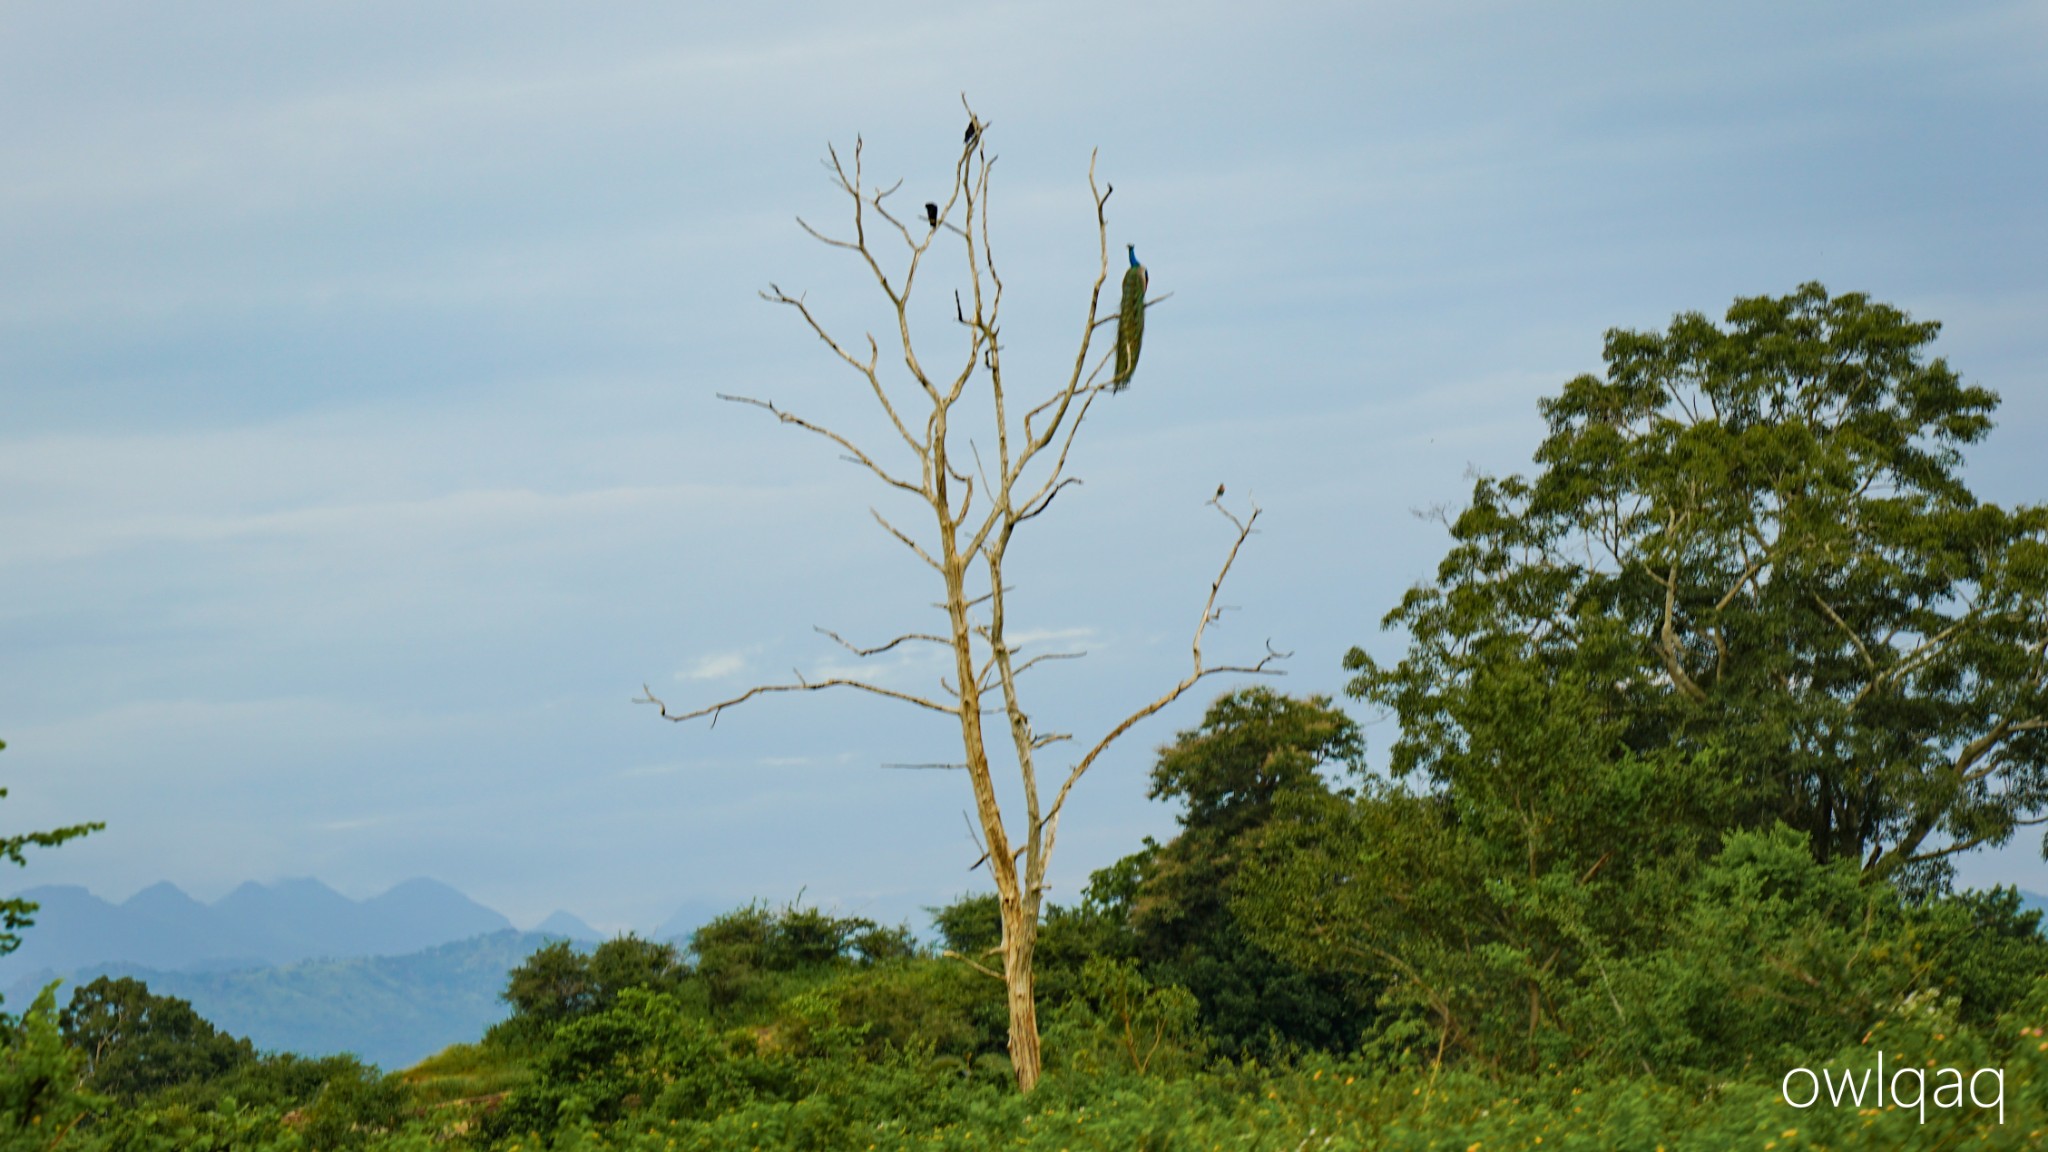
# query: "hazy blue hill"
164,902
561,923
75,927
296,919
2034,900
162,928
422,913
390,1010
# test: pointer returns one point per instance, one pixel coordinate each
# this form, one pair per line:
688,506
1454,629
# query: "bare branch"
974,964
821,238
981,599
801,685
904,538
1198,672
876,651
1019,670
867,368
1160,299
852,449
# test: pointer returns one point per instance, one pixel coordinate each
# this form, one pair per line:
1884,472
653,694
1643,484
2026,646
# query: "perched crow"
931,213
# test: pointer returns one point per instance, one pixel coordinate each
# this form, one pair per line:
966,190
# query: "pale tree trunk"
1029,470
1020,938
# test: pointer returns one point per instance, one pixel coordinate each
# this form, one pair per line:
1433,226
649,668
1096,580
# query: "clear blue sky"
359,454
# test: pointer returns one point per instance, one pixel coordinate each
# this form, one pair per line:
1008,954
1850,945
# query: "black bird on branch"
931,213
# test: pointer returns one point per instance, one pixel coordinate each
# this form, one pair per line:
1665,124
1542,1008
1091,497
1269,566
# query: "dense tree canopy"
1253,749
559,983
1682,714
136,1042
1753,543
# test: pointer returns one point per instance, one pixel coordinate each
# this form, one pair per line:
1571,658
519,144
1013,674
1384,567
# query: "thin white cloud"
717,666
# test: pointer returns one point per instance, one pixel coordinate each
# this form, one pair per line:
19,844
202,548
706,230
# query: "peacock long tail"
1130,324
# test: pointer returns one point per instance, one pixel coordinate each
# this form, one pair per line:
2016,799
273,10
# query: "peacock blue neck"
1133,250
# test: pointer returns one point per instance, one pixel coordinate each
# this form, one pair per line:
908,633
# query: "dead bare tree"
968,551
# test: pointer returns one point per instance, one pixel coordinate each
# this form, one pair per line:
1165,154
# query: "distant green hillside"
390,1010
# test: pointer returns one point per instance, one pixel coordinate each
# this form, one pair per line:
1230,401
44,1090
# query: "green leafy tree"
16,913
1120,1022
353,1109
136,1042
553,985
557,983
1753,543
1745,630
630,962
1253,748
41,1098
971,925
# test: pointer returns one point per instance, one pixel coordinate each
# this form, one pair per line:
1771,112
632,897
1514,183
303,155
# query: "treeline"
1691,726
1184,1003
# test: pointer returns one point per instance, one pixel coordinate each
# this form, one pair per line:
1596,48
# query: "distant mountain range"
256,925
298,967
392,1011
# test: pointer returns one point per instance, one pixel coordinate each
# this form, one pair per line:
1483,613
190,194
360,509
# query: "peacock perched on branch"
1130,322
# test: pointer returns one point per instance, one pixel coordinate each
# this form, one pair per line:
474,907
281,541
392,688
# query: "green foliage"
463,1073
136,1043
939,1007
1753,545
739,954
1775,959
1254,753
42,1097
1121,1023
558,984
643,1052
353,1109
552,986
971,925
1683,715
16,913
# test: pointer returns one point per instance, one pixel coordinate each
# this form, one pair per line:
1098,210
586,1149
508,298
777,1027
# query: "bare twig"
906,638
802,685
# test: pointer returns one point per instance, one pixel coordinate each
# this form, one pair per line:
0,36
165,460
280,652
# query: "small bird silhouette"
1219,491
931,213
973,130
